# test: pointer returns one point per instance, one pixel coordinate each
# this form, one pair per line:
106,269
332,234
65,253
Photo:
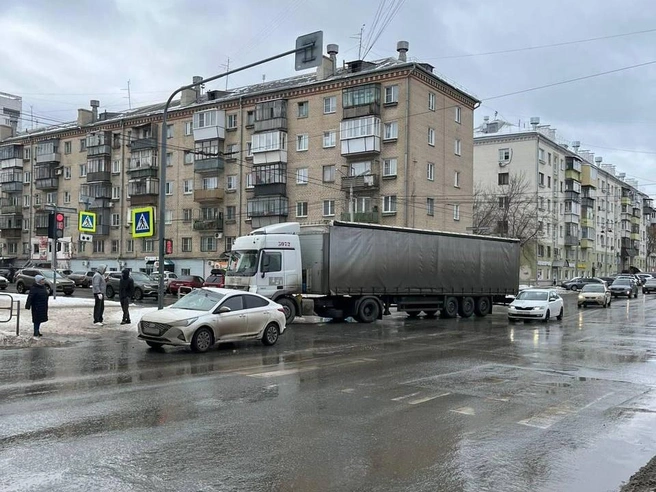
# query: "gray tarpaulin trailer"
361,270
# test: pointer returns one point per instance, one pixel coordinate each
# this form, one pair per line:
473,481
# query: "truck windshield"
242,263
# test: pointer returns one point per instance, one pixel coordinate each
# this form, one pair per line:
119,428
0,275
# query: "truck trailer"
346,269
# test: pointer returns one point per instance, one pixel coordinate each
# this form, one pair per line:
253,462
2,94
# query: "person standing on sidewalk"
37,302
99,287
125,294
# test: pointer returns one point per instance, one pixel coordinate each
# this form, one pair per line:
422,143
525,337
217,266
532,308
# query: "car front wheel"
575,288
138,294
271,334
110,292
560,315
202,340
547,315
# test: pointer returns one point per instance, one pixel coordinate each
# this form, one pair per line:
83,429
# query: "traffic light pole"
54,258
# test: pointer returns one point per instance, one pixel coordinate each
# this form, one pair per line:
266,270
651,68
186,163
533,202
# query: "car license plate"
150,331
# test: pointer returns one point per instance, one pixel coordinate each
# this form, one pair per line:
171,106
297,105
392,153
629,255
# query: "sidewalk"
69,317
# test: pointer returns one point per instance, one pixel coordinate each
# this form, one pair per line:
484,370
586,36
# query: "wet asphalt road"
421,405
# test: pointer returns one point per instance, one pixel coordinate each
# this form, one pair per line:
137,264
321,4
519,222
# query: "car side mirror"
223,309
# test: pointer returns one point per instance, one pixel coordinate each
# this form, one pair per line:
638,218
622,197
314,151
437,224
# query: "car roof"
231,292
532,289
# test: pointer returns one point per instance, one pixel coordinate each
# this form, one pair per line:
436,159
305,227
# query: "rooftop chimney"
94,109
190,96
576,145
402,47
84,117
535,121
598,160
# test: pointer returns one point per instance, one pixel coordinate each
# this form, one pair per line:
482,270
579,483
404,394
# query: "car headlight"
581,297
184,322
538,308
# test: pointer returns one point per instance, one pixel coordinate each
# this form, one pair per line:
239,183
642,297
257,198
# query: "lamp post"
306,57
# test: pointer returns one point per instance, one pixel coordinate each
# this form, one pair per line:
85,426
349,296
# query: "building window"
116,166
67,147
231,212
329,104
431,101
51,197
301,209
329,139
503,202
186,214
250,118
186,245
430,171
210,183
83,170
168,217
188,157
456,179
328,174
231,182
83,145
389,204
457,147
431,137
302,142
188,186
99,246
302,176
207,243
328,208
114,245
26,248
541,179
303,109
67,172
391,94
27,177
116,220
503,178
81,247
232,121
458,115
67,197
129,246
37,199
456,212
148,245
26,224
169,131
391,131
389,167
430,206
249,181
189,127
169,159
504,155
27,199
169,187
229,241
249,149
548,181
116,192
541,154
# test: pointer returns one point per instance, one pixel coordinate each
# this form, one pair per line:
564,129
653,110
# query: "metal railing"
12,303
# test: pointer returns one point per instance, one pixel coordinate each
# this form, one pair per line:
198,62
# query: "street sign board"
86,238
143,221
311,54
86,222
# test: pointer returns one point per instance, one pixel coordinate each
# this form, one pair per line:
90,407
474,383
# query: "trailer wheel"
450,309
483,306
466,308
368,310
289,307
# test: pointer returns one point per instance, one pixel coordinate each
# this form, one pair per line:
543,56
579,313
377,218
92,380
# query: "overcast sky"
59,54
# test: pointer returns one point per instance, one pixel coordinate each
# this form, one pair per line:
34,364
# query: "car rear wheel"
138,294
271,334
575,288
110,292
202,340
20,288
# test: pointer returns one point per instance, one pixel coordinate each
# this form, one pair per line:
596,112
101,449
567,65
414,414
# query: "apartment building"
590,219
11,107
379,142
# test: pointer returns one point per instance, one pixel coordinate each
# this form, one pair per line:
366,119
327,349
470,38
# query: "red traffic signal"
168,246
59,225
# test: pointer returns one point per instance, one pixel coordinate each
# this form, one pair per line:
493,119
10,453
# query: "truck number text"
284,244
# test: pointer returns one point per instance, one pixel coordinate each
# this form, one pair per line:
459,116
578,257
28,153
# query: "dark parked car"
578,282
25,280
650,286
624,287
608,280
216,279
189,281
144,286
82,279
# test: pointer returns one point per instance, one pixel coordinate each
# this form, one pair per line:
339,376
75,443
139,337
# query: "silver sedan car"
210,315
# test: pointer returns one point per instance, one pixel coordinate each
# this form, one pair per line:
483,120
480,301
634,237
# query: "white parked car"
210,315
542,304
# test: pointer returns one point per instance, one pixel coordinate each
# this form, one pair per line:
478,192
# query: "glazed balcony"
49,158
368,182
571,240
361,217
587,243
46,184
10,207
209,195
215,225
143,144
212,165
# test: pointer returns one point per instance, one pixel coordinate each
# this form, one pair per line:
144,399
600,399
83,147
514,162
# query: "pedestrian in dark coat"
125,294
37,302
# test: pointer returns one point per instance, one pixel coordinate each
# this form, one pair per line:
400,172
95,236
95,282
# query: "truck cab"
268,262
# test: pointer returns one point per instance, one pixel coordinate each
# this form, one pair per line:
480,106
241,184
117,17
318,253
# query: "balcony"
143,144
271,115
270,206
12,187
368,182
47,184
571,241
269,147
362,217
208,224
16,163
8,207
99,150
572,218
213,165
572,174
11,233
101,176
626,200
271,124
587,243
209,195
635,236
100,203
648,210
267,189
573,196
145,171
587,223
371,109
144,200
635,220
52,157
360,136
587,202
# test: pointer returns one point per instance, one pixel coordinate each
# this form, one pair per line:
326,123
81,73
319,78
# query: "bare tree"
651,244
507,210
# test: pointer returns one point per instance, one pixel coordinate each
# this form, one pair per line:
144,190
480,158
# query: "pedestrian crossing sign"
86,222
143,220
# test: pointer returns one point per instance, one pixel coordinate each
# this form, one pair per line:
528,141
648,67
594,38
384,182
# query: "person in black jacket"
125,294
37,302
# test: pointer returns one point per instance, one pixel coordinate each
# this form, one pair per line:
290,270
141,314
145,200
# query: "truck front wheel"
450,309
289,307
368,311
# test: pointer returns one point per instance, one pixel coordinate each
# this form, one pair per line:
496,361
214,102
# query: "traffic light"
168,247
56,225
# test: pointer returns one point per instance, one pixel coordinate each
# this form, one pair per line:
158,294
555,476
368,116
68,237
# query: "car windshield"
622,281
214,279
140,277
651,281
531,295
199,300
50,274
242,263
593,288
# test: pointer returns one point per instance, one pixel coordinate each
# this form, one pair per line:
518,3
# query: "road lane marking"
427,398
597,400
281,372
348,390
399,398
464,411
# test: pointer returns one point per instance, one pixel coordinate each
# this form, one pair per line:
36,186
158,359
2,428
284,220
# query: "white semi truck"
345,269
